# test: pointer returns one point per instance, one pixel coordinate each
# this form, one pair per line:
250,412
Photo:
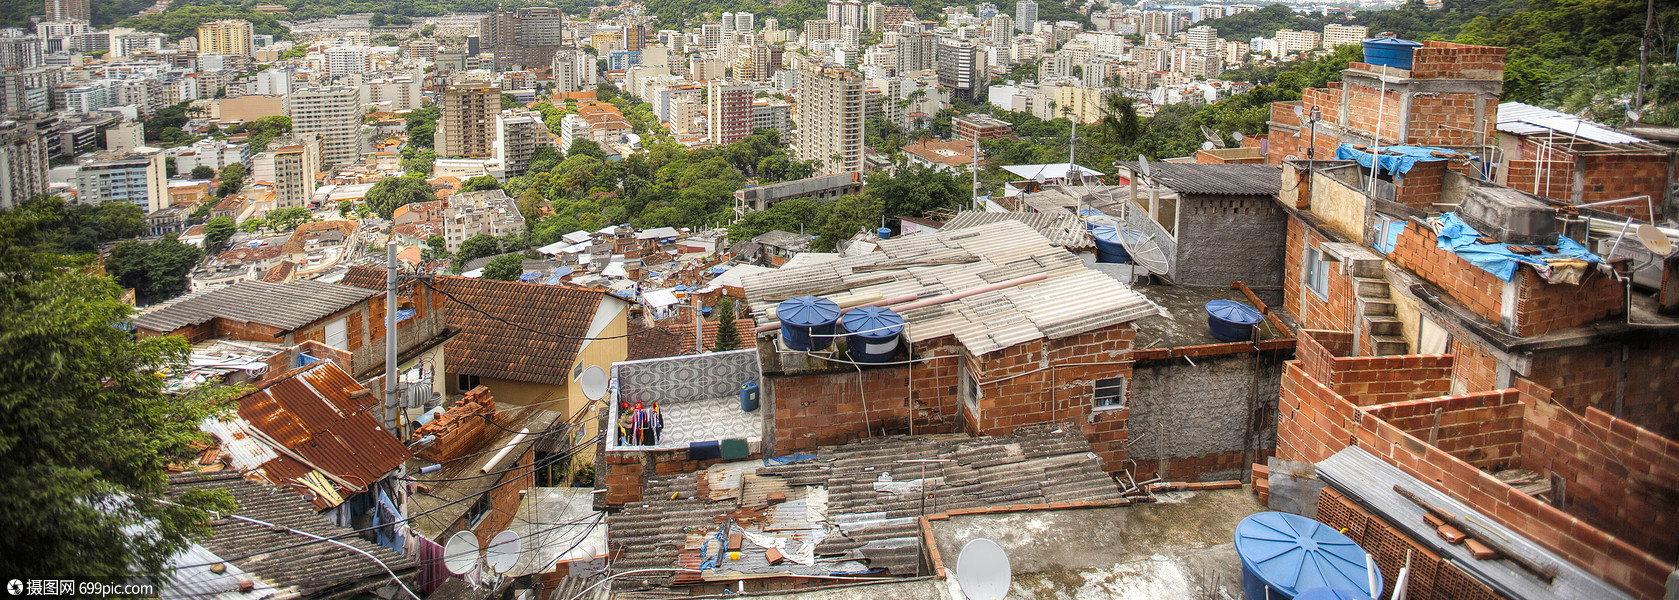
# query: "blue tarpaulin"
1401,163
1459,237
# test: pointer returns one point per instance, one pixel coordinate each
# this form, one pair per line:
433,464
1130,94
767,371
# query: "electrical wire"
524,328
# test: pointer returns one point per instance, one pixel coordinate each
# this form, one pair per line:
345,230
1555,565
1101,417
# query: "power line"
522,327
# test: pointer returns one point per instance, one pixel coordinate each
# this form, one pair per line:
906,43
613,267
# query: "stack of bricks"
1447,60
462,428
1262,483
1543,307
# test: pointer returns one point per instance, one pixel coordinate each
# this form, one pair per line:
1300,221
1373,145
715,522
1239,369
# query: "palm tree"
1119,119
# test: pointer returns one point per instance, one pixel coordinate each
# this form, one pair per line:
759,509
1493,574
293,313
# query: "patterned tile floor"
708,420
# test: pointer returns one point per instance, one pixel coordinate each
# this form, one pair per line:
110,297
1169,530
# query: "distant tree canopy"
157,271
507,267
63,228
385,196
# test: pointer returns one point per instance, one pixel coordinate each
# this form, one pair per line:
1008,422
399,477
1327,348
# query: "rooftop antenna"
982,570
504,551
460,555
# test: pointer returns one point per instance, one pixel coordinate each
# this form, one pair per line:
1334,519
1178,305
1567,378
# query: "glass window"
1316,273
1110,393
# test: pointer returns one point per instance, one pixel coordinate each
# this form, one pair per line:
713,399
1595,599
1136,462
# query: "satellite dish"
982,569
585,551
1142,165
503,552
1299,111
1632,115
1238,135
594,382
1291,157
460,555
1654,240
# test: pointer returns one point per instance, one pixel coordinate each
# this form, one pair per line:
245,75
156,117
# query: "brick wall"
623,473
504,500
1478,290
1448,119
1621,478
1483,429
1420,188
1366,109
836,407
460,429
1616,176
1333,312
1546,178
1543,307
1371,380
1048,381
1474,366
1446,60
1315,422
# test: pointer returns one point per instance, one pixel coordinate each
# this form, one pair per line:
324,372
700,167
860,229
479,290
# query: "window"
465,383
1109,394
338,334
969,389
1316,273
1432,338
480,509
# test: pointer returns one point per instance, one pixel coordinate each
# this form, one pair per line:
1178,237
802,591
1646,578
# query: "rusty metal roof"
319,413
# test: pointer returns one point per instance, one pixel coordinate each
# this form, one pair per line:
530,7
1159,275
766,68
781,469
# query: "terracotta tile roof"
487,346
307,230
249,254
317,412
677,339
281,273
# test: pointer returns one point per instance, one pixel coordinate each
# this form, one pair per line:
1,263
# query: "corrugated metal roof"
1073,299
1214,180
1526,119
311,413
1061,228
287,306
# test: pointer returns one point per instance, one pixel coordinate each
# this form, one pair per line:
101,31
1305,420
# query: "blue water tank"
1109,245
884,233
1232,321
1331,594
1390,52
874,333
1284,555
806,315
749,396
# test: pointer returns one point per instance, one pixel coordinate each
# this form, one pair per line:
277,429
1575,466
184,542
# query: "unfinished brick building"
1592,505
1562,157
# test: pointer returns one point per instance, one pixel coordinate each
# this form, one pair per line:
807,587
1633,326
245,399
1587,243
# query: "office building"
334,114
962,69
65,10
518,134
468,125
23,163
1025,15
292,164
831,118
729,111
231,36
136,176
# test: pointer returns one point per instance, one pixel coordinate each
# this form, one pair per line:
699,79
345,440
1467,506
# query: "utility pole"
393,396
1644,56
976,173
699,325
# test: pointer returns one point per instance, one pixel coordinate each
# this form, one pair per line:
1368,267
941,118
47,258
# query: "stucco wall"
1179,411
1230,238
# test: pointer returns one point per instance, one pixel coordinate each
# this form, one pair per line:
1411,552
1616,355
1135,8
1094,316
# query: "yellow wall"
601,353
1339,205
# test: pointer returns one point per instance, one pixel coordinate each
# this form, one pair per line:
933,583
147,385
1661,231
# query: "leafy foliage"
232,178
385,196
476,247
61,227
157,271
217,232
183,21
287,219
480,183
202,172
507,267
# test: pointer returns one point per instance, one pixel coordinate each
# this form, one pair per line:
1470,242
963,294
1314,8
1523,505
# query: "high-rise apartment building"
1000,30
518,134
846,12
342,61
539,26
962,69
292,164
729,111
230,36
1160,22
1289,41
19,51
831,118
65,10
135,176
822,29
1341,35
1203,39
23,163
572,70
468,126
334,114
1209,11
916,52
1025,15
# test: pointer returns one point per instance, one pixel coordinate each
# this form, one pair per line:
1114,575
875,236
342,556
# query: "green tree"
728,338
88,428
544,159
392,192
507,267
157,271
287,219
346,208
845,217
217,232
478,246
508,101
438,245
203,172
586,148
250,225
232,179
480,183
422,125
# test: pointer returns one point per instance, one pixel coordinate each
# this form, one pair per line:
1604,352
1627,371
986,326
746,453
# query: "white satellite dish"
594,382
1102,221
504,551
1206,145
460,555
1291,157
982,569
1142,165
1299,111
1654,240
1238,135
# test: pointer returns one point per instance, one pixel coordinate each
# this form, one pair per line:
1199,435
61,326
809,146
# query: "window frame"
968,390
1096,395
1315,272
465,383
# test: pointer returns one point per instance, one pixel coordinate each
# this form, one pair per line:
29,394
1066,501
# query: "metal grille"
1430,579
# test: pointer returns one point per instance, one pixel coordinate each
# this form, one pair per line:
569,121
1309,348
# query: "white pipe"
495,460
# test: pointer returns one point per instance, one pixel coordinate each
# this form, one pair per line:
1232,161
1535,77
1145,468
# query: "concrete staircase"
1376,306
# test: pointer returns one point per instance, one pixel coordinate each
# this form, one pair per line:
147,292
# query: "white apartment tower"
333,113
1025,15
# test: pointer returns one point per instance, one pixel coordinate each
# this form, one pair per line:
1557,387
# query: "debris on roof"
1213,180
